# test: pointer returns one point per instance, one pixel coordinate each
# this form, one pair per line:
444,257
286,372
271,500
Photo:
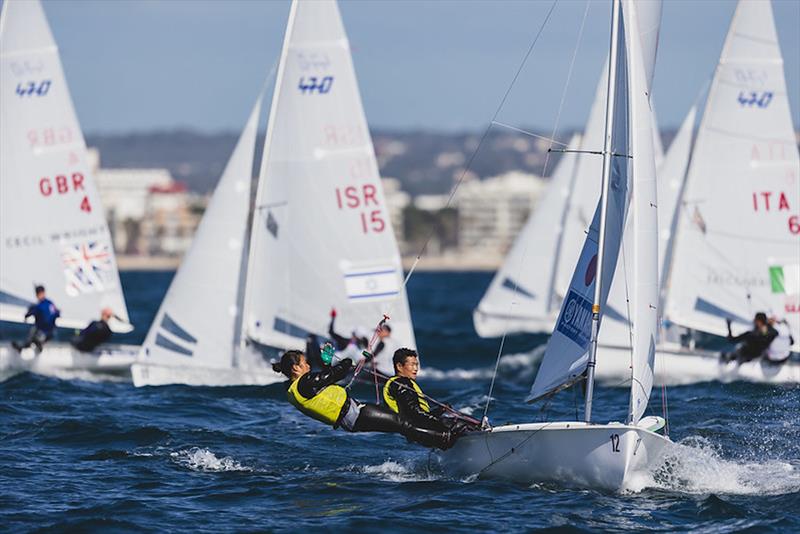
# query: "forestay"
738,234
52,227
198,321
321,234
521,296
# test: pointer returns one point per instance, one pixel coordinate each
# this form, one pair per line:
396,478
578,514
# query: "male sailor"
402,395
317,395
781,347
753,343
95,334
44,313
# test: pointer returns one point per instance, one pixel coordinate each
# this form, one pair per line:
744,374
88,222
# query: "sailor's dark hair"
386,327
289,359
761,316
39,289
401,355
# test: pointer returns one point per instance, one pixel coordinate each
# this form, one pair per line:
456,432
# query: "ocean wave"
694,466
392,471
198,459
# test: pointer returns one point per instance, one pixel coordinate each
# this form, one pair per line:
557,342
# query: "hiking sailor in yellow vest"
402,395
318,396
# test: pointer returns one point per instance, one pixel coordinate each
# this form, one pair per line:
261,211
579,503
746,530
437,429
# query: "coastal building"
492,212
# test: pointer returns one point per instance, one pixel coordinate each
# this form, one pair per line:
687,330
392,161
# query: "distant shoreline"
450,263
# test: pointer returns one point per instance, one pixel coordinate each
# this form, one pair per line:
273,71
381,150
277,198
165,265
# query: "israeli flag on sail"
375,283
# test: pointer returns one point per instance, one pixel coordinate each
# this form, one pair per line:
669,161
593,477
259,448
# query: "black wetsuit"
372,417
92,336
402,390
313,352
752,344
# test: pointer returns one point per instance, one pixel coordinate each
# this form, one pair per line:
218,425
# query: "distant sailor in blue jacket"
45,314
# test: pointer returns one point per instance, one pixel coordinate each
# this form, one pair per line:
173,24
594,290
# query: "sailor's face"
301,367
410,368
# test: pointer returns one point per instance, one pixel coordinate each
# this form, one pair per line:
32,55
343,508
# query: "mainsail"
521,296
321,234
737,244
198,321
52,227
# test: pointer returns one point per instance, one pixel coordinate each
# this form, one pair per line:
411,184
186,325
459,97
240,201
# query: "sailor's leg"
374,418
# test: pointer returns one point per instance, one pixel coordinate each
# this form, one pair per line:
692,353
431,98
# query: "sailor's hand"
367,355
333,313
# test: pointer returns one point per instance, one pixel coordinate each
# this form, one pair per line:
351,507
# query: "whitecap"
198,459
392,471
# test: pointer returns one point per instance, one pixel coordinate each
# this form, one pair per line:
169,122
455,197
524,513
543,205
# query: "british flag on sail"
88,267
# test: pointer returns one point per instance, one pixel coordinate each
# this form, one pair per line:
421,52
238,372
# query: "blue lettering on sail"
312,84
575,321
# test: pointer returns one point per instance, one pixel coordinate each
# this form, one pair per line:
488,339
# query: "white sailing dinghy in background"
584,453
52,227
736,245
320,237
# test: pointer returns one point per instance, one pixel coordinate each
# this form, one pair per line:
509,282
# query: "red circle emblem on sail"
591,271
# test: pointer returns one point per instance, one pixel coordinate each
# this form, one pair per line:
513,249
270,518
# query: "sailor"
318,396
781,347
45,314
349,346
752,344
384,350
402,395
95,334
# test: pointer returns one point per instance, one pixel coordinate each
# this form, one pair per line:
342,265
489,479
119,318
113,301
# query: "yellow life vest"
392,403
325,406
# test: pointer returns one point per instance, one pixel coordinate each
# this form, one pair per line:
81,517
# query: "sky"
142,65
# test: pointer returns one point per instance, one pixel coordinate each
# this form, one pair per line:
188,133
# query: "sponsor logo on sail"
576,320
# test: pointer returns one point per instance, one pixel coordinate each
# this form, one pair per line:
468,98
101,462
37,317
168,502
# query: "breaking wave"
392,471
198,459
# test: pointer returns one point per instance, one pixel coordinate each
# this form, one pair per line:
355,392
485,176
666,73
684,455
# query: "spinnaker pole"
607,155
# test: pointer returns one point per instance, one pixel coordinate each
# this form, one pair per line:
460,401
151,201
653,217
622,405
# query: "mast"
254,216
607,155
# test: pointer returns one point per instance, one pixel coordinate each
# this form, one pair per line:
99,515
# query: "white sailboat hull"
61,360
150,374
681,366
571,454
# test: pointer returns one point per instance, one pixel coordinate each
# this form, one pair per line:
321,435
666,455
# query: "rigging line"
544,173
526,132
483,137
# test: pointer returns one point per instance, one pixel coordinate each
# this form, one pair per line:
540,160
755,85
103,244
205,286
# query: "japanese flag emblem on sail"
375,283
88,267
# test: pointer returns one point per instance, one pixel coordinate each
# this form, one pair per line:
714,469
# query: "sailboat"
734,239
52,228
584,453
320,235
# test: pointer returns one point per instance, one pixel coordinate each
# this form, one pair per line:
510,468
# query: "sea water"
77,455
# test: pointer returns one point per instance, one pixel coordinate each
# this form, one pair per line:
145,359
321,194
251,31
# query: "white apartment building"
492,212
